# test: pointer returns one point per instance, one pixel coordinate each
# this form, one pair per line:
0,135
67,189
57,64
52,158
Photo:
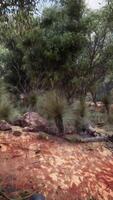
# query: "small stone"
17,133
37,151
37,197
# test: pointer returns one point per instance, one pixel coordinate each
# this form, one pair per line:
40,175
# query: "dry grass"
7,110
54,105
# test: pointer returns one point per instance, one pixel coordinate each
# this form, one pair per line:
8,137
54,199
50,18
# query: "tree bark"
59,124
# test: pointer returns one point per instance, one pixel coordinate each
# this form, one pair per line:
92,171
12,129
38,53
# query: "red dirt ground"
58,169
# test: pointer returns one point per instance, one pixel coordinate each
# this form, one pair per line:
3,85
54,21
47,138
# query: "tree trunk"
82,106
107,107
93,94
59,124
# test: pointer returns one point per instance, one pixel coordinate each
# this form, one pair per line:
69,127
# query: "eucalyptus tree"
65,47
11,6
53,46
95,58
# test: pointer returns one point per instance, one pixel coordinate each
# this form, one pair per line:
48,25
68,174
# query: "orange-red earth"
58,169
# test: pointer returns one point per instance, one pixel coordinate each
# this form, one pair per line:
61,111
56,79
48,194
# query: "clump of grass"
54,105
32,100
28,101
7,110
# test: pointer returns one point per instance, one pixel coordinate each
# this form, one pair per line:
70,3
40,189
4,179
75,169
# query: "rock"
32,120
92,129
37,197
30,129
5,126
17,133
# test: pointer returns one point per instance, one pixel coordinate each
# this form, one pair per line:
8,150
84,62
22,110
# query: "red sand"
58,169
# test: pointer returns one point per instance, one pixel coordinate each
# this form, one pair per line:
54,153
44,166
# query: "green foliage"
51,46
10,6
66,47
60,49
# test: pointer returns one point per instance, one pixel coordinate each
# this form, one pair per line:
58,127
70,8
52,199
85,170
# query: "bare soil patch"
54,167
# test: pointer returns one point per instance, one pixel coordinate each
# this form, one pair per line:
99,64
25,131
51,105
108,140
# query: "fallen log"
81,139
94,139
